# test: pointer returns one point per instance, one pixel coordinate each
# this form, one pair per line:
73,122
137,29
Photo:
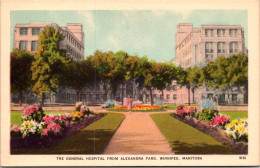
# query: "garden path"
138,134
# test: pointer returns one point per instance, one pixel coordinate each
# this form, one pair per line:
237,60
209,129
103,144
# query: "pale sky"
145,33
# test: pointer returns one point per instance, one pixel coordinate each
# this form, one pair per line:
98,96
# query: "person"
125,102
129,103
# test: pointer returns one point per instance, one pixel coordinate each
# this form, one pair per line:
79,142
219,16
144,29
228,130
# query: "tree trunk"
43,97
193,99
188,94
151,95
20,98
162,95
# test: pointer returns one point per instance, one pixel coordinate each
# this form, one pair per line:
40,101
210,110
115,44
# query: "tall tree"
182,75
103,66
227,73
79,75
195,78
49,67
21,75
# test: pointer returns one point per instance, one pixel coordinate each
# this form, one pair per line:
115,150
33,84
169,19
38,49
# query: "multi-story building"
26,37
194,46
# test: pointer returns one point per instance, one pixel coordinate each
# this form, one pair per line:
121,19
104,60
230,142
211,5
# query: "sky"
142,32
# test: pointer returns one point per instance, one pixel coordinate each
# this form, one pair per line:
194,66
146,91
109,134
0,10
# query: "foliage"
238,130
51,63
208,104
207,114
32,112
21,75
79,75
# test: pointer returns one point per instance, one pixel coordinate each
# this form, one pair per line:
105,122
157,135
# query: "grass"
89,140
235,114
185,139
16,116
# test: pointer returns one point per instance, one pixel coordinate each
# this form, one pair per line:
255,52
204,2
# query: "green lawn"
235,114
89,140
185,139
16,116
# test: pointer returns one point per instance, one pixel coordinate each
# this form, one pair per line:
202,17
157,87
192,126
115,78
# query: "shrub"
238,130
207,114
110,103
85,110
208,104
158,102
32,112
78,106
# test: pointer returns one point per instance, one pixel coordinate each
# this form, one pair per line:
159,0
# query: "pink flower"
181,112
45,132
192,109
220,120
180,107
15,128
29,110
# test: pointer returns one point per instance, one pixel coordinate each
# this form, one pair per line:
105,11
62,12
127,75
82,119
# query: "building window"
218,32
23,31
206,32
35,31
34,45
223,31
174,87
221,47
154,96
230,32
235,32
23,45
174,96
168,97
233,47
209,47
211,31
234,97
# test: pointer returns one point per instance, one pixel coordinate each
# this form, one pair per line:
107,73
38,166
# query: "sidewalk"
138,134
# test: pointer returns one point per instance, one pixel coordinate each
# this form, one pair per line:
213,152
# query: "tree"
182,79
227,73
49,67
103,66
164,74
79,75
21,62
195,78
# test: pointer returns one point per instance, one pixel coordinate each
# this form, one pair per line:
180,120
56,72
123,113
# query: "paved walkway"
138,134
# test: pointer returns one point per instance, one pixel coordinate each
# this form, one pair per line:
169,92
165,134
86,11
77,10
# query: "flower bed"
138,108
215,132
232,134
40,131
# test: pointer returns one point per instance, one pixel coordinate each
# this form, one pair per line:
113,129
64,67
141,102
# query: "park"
153,127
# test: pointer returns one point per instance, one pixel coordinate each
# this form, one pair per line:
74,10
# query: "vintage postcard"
129,83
